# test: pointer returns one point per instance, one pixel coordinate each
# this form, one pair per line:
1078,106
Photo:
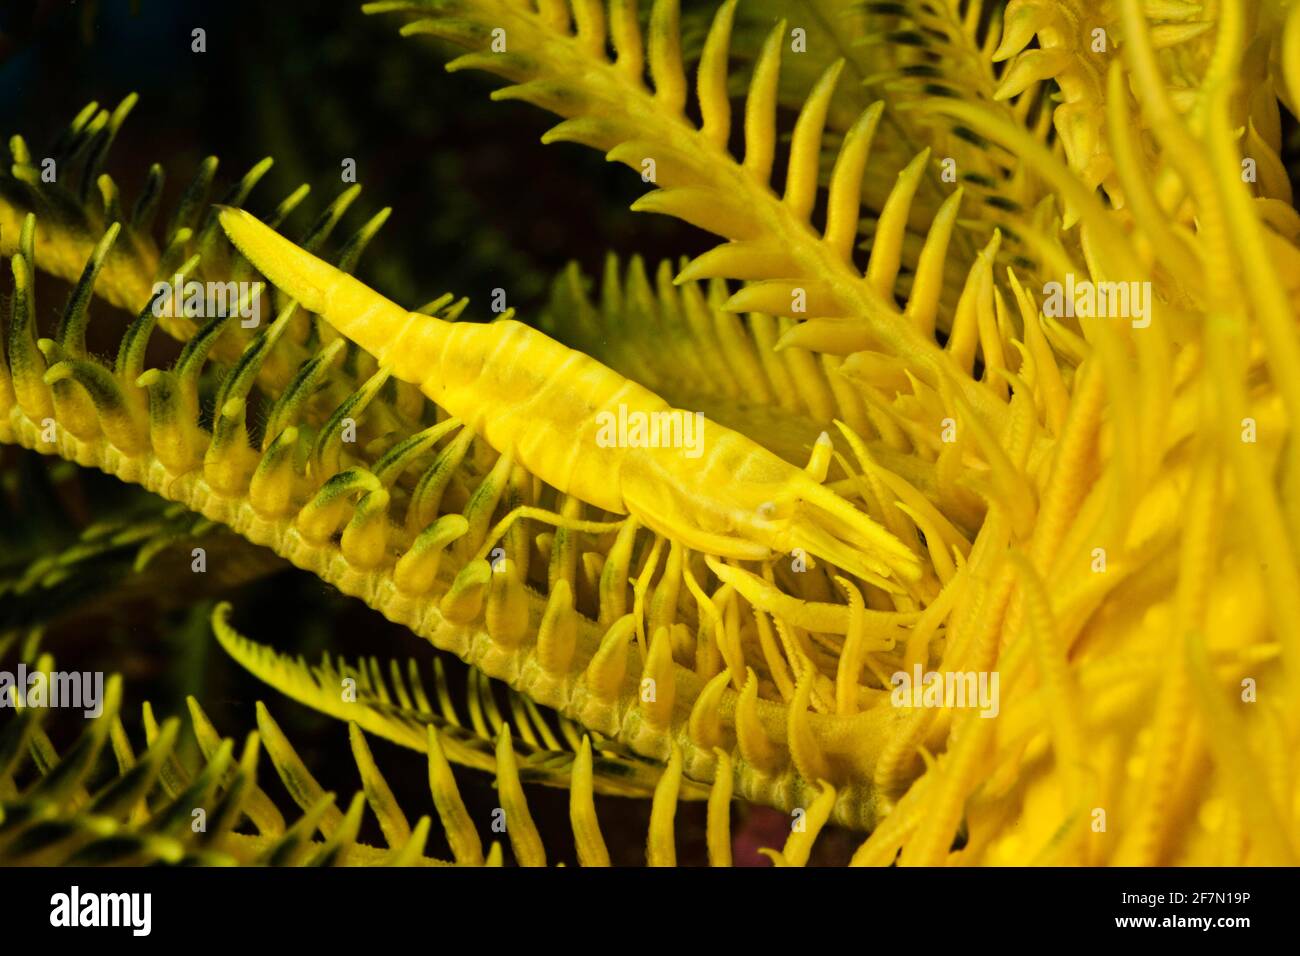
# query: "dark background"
478,202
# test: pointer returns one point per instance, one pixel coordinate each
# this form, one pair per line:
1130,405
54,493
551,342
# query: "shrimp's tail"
353,308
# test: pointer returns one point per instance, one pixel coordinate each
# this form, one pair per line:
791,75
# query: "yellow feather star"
1002,564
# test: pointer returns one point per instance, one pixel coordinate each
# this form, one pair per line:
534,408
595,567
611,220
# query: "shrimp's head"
760,514
802,518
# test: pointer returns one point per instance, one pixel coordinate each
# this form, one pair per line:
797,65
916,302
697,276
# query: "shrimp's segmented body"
547,404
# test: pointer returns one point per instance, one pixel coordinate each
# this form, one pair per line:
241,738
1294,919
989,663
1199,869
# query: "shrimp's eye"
767,510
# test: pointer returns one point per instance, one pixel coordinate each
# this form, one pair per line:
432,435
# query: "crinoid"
950,498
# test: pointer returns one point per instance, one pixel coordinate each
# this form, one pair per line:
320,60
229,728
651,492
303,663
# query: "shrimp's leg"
661,506
547,517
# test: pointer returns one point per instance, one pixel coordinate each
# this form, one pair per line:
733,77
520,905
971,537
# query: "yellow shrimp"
549,405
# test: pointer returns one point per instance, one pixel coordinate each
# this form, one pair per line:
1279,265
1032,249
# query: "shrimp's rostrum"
529,395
